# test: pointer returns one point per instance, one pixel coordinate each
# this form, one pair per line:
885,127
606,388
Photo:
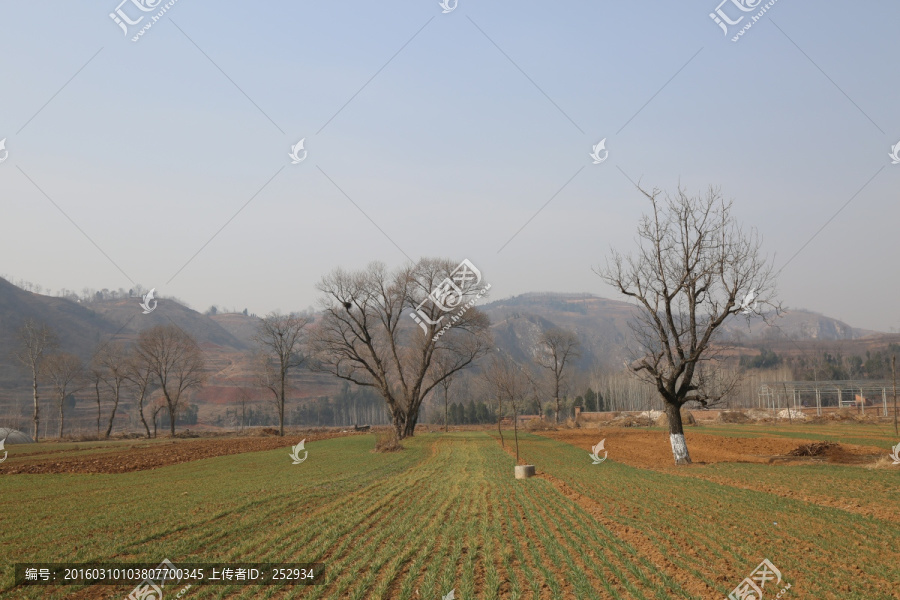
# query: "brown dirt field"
651,449
160,454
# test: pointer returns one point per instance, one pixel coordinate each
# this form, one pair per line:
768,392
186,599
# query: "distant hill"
602,325
129,320
226,339
79,328
241,327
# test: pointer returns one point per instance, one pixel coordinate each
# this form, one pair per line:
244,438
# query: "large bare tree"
366,335
65,372
139,373
175,361
557,348
111,364
695,267
36,340
281,338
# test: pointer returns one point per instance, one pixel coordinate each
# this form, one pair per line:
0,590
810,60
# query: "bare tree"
65,373
155,409
95,377
36,340
112,365
509,381
695,267
365,339
175,361
281,339
557,348
267,376
243,399
445,383
139,373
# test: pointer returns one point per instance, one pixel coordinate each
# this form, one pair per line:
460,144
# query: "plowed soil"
159,454
651,449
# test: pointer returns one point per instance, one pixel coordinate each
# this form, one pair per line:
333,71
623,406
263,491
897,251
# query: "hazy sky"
432,134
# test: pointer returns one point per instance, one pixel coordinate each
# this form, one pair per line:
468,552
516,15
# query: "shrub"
539,425
686,419
733,416
386,441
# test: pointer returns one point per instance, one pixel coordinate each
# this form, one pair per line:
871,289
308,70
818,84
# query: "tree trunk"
281,406
676,434
556,390
171,419
62,406
113,414
499,420
37,409
97,391
143,420
408,426
516,429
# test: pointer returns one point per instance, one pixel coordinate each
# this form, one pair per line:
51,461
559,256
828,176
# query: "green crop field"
446,514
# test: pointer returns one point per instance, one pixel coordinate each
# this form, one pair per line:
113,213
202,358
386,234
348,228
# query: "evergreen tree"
470,412
482,413
590,400
454,413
